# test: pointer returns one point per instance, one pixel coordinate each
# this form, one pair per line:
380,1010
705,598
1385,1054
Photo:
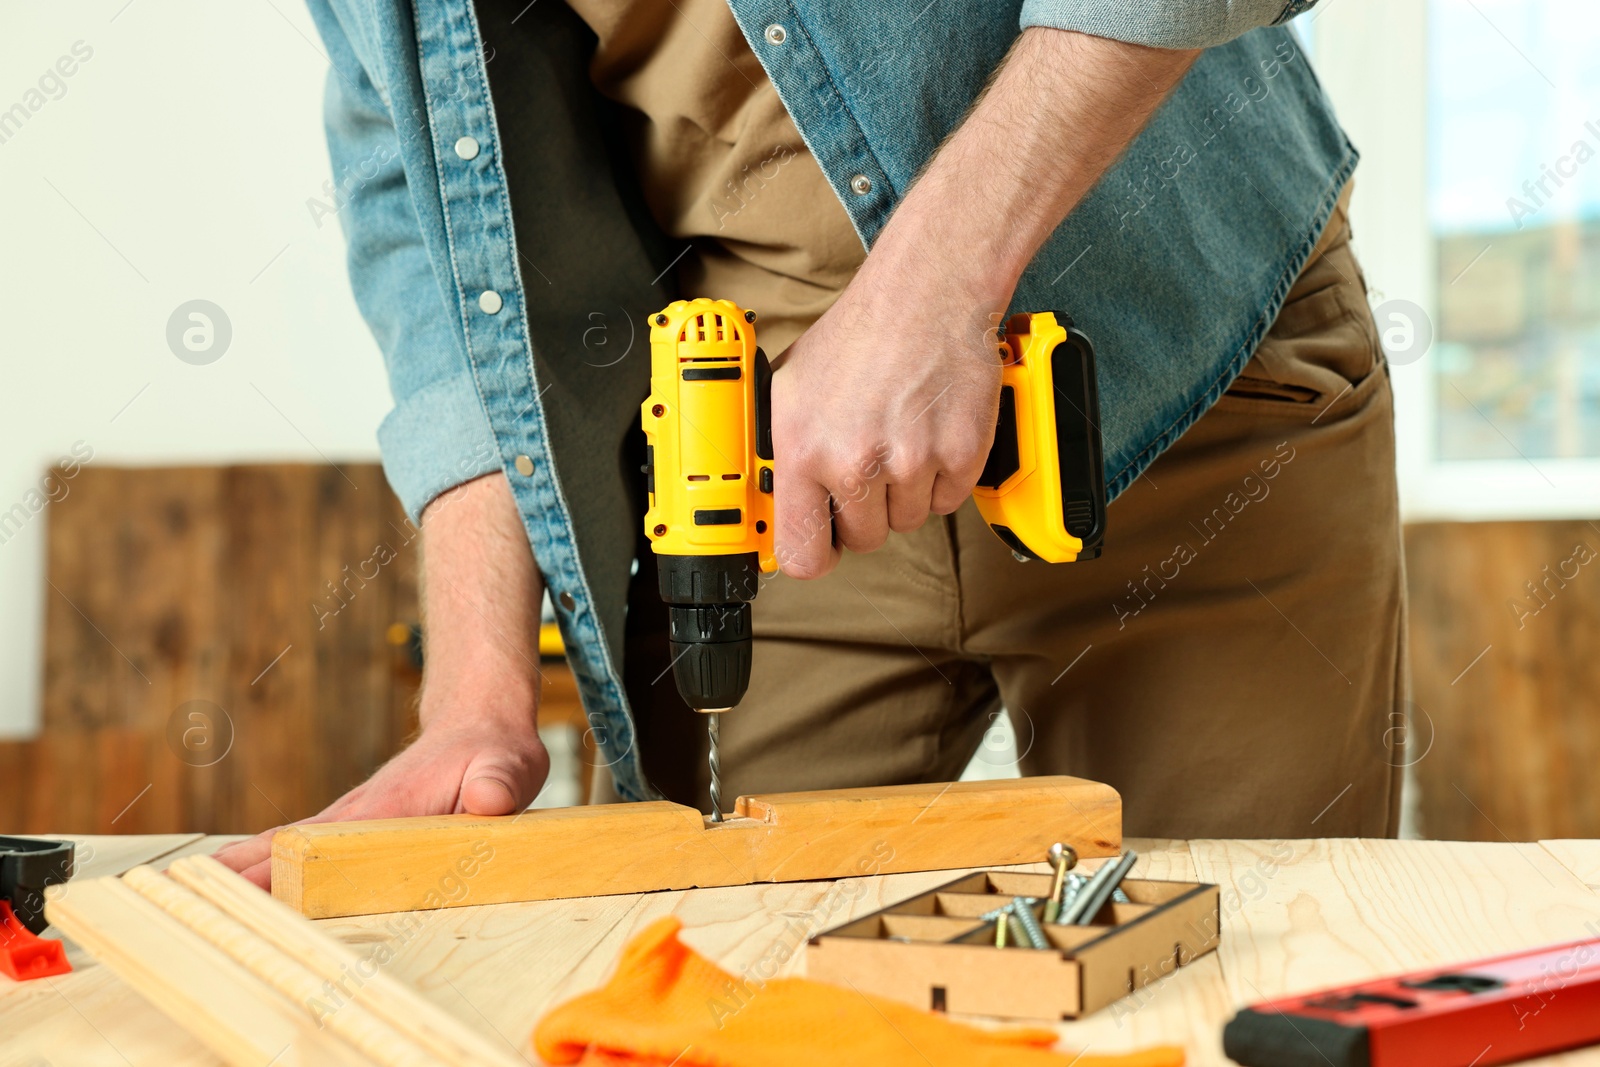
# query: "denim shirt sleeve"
437,436
1191,24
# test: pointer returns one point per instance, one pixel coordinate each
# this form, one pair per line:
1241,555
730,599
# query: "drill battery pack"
1043,490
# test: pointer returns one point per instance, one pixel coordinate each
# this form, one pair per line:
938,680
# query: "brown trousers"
1233,664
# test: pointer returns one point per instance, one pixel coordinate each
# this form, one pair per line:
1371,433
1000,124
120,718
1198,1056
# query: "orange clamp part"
23,954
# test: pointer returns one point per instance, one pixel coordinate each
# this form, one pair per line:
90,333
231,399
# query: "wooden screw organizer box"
934,951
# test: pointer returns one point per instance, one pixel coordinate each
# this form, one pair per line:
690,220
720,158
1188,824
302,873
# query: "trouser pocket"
1323,346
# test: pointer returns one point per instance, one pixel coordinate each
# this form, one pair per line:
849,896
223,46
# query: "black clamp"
27,866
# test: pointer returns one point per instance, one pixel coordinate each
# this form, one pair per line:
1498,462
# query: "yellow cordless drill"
709,472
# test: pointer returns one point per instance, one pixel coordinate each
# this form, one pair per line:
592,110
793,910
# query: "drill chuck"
711,650
708,599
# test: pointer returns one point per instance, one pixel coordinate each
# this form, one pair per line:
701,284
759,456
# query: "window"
1477,205
1514,212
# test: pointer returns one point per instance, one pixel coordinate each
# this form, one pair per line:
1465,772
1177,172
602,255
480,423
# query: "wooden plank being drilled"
388,865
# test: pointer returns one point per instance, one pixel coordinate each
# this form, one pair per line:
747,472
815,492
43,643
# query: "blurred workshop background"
209,594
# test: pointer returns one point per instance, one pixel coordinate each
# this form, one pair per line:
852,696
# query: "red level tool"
1471,1015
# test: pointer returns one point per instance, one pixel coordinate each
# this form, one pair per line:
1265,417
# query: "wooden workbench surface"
1296,916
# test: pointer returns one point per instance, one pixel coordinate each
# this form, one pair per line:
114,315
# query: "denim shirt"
516,346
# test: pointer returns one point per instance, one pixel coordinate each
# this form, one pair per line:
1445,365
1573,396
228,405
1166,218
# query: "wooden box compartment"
933,951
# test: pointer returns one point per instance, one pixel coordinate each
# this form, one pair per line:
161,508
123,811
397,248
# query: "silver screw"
1094,895
1022,910
1069,893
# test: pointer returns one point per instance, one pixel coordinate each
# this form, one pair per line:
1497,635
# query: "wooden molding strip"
253,980
341,975
390,865
195,984
349,1018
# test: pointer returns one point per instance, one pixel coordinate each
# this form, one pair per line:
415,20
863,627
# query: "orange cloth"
667,1004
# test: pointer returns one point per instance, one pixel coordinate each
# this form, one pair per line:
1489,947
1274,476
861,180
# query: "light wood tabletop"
1297,915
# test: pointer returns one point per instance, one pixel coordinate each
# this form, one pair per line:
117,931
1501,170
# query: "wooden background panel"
1505,647
118,649
199,609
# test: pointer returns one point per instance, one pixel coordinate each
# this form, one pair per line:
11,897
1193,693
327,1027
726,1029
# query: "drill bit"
713,730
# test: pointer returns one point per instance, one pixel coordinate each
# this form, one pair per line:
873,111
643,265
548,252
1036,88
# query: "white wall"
174,163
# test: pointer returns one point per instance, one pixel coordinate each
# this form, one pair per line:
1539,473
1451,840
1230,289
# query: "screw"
1069,893
1098,890
749,316
1064,857
1006,915
661,320
1022,911
999,917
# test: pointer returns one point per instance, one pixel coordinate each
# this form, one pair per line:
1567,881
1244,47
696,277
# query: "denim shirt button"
776,34
489,302
467,148
525,466
861,185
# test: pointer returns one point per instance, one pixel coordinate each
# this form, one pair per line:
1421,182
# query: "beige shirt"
721,163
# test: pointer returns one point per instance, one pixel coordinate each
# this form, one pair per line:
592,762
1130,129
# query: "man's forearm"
1059,112
481,594
914,328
